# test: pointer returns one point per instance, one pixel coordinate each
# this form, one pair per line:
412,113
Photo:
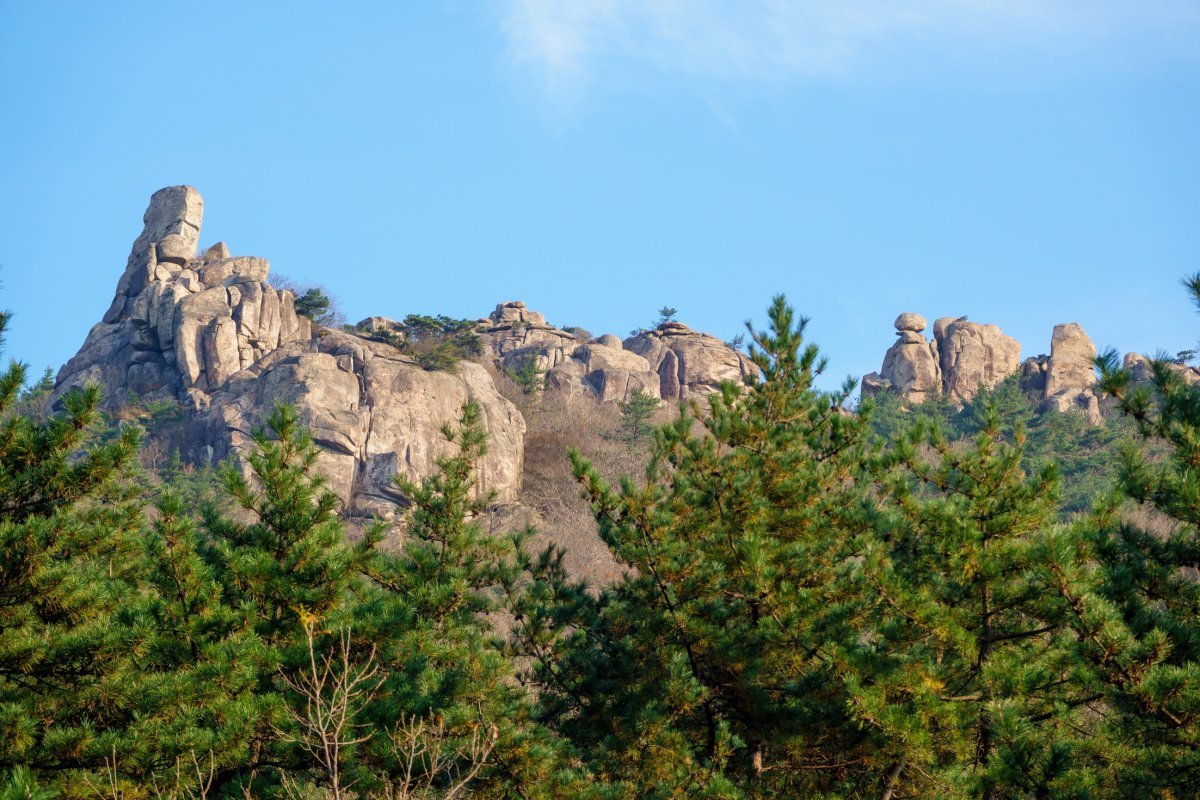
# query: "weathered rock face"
1140,367
1070,374
374,412
179,326
966,357
671,362
974,357
211,333
962,358
689,363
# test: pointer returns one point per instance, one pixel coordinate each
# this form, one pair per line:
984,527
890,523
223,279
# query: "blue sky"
1024,163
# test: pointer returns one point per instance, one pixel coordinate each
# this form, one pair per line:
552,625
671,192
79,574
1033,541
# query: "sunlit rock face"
210,332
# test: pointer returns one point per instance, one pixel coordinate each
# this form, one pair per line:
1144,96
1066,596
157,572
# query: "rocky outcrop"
672,362
375,413
179,324
963,358
689,363
1141,368
209,332
910,366
973,357
966,357
1070,375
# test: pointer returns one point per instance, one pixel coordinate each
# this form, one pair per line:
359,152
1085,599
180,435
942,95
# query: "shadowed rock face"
209,332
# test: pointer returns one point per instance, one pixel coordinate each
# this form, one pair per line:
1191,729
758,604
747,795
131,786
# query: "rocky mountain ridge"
208,331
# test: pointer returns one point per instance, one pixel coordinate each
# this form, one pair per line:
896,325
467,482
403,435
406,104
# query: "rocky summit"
207,330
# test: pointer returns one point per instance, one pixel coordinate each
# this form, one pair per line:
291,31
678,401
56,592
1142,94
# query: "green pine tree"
284,562
449,682
977,691
1138,615
713,667
68,514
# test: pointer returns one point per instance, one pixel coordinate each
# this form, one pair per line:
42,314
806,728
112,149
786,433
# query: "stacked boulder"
210,333
966,357
911,367
962,358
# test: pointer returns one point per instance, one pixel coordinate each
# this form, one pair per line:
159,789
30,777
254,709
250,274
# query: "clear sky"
1021,162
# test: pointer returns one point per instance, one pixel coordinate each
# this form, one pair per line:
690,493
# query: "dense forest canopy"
902,602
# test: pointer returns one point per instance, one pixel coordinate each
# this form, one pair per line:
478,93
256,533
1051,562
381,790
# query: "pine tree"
712,668
67,515
287,568
449,683
978,692
201,670
1139,619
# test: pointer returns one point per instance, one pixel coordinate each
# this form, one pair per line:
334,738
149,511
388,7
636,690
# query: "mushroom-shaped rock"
908,321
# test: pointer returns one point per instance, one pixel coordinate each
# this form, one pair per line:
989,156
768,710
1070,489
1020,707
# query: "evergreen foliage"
712,668
1137,610
898,603
439,343
68,518
636,413
529,376
977,691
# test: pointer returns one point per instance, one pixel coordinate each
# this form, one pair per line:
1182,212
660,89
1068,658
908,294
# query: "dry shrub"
555,425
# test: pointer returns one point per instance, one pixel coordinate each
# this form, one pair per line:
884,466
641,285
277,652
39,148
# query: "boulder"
689,363
910,368
973,357
908,321
1071,367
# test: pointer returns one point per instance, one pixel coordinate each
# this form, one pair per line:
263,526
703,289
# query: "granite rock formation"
973,357
671,362
966,357
911,366
210,332
180,324
962,358
1070,375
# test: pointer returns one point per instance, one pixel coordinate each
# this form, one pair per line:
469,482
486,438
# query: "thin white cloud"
570,44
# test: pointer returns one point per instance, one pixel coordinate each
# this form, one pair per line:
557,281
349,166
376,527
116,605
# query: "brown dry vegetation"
555,426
